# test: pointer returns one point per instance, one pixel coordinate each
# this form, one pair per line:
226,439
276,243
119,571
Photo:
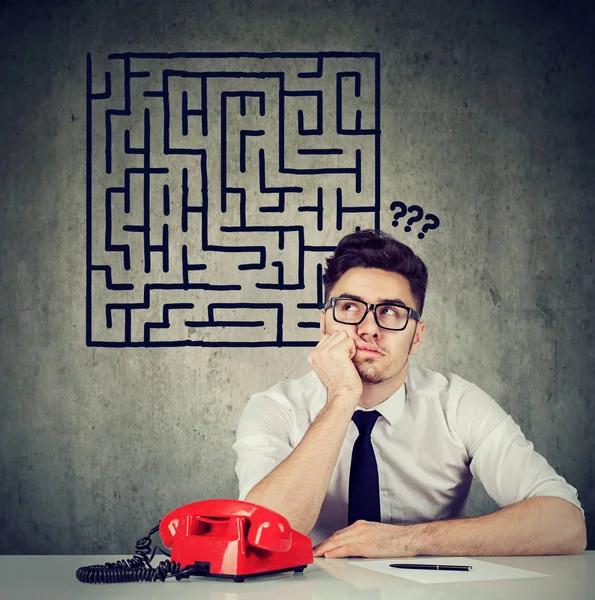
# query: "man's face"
394,347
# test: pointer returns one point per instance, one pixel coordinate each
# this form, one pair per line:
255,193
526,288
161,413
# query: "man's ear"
419,332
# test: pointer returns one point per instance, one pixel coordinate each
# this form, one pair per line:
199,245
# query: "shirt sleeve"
263,440
502,458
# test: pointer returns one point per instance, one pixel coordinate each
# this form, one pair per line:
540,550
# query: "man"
371,457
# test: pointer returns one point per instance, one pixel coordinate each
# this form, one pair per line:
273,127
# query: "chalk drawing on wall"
217,185
400,210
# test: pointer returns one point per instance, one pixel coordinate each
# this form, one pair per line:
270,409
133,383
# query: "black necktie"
364,493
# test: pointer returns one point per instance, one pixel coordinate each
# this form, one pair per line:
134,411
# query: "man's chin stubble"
371,375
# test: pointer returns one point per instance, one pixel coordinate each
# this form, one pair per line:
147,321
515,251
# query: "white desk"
53,577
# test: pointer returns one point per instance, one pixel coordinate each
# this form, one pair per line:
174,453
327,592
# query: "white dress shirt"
434,433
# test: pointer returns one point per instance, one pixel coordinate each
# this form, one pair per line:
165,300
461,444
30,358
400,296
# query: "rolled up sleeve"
502,458
263,440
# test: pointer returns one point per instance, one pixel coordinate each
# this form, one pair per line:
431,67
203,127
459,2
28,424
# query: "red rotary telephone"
234,538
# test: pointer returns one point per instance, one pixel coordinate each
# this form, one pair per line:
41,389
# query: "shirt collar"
391,408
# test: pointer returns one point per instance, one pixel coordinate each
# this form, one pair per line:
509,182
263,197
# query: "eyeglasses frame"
411,312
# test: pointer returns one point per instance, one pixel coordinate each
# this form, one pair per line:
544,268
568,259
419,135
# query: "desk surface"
49,577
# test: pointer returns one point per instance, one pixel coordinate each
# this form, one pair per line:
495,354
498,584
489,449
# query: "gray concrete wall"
487,121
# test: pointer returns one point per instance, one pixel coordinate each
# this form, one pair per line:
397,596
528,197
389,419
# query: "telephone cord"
137,568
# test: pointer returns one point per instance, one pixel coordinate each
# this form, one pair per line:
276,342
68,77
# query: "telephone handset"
267,529
235,538
220,538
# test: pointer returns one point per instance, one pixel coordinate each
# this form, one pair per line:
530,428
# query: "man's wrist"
343,397
417,538
343,403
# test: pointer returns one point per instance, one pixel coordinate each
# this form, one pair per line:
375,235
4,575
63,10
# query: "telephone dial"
217,538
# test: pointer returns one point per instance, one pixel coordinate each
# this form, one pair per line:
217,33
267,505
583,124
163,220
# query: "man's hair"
376,250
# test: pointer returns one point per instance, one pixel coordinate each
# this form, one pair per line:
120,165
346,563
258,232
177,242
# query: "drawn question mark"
434,225
399,214
418,217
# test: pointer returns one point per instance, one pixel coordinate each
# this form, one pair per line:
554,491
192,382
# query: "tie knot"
365,420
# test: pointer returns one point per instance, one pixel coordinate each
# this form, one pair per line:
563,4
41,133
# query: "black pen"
433,567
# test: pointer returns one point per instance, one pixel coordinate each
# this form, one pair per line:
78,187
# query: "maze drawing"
217,185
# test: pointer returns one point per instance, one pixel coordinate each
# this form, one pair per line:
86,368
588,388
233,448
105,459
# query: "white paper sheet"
482,570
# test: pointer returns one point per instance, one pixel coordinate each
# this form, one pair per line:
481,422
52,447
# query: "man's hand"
369,540
332,361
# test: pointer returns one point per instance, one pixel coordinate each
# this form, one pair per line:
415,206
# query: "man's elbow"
580,538
577,545
577,541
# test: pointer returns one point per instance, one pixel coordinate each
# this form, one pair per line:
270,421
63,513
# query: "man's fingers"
338,539
330,339
342,339
337,549
340,552
325,550
324,546
322,341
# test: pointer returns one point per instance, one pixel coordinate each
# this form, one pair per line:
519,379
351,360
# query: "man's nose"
369,323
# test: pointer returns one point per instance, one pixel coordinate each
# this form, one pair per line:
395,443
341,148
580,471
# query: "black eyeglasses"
387,316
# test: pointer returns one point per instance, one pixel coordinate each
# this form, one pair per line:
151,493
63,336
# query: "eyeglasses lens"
353,311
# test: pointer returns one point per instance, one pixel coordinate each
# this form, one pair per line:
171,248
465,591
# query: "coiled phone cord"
137,568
